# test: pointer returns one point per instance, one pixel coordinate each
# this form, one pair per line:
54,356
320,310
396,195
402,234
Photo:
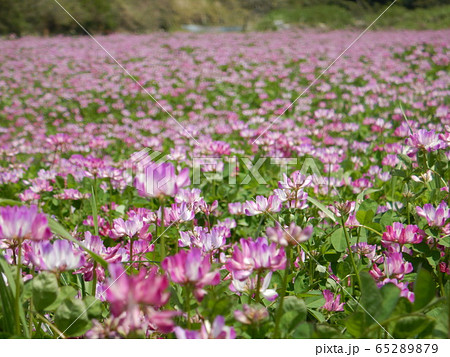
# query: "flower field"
251,185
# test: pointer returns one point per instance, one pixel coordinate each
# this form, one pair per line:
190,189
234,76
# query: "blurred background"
45,17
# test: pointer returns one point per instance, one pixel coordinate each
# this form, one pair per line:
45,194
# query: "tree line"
46,17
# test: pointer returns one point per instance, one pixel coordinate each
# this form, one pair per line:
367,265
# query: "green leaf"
411,326
369,205
371,298
6,298
365,217
294,313
8,202
361,195
445,242
424,289
63,293
356,324
388,218
94,307
71,317
338,240
322,208
391,295
45,290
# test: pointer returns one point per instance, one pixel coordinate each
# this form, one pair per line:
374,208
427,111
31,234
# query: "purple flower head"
436,217
56,257
249,285
128,292
398,233
426,140
292,235
250,314
19,223
218,330
255,255
262,205
331,303
236,208
134,226
159,180
295,182
396,267
191,268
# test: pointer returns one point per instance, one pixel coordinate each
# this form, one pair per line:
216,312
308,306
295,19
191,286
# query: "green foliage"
106,16
45,290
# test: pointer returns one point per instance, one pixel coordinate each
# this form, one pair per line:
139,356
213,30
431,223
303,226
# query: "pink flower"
218,330
253,256
292,235
235,208
56,257
110,254
135,226
191,268
207,241
72,194
250,314
177,214
262,205
127,293
248,286
295,182
396,267
398,233
161,321
192,198
332,304
427,140
19,223
343,208
435,217
158,180
29,195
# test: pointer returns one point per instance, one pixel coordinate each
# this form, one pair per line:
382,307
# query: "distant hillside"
45,17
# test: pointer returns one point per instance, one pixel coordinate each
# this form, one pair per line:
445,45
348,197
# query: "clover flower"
159,180
255,256
218,330
291,235
332,303
20,223
192,269
398,233
57,257
436,217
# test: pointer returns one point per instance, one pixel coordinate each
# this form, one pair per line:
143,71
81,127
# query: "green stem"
370,229
283,294
17,297
311,271
53,327
259,225
82,285
187,303
94,280
258,286
131,252
30,310
350,253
